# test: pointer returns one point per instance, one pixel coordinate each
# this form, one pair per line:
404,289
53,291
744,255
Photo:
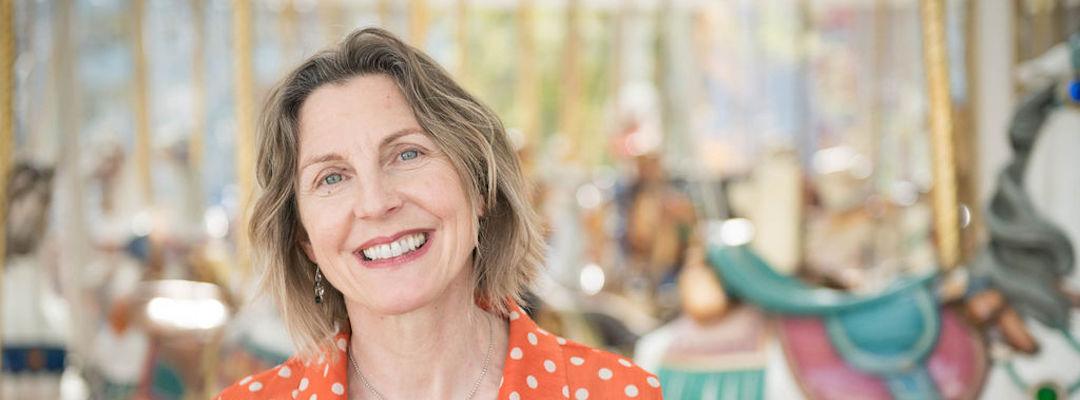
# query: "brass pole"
620,15
942,146
141,98
528,93
244,90
332,19
7,124
570,112
68,200
967,156
418,23
462,39
288,21
197,141
384,11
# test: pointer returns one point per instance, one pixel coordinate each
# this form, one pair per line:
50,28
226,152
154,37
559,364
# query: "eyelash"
412,150
322,179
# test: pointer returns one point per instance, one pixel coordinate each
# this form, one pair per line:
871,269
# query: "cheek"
443,195
325,224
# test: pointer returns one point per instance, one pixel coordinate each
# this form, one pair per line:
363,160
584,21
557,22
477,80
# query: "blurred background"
775,199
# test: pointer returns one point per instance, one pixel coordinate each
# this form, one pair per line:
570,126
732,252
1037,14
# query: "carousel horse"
35,345
902,343
1028,257
898,343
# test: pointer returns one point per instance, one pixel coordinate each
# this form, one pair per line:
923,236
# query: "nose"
377,198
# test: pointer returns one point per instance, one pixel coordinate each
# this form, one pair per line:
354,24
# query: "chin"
402,301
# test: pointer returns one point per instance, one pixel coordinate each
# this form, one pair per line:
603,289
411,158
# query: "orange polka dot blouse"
538,365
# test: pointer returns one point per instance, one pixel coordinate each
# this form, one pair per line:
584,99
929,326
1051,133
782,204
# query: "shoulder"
542,363
596,373
285,381
272,383
323,377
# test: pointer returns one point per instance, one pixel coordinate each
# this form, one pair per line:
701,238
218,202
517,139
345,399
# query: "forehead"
363,107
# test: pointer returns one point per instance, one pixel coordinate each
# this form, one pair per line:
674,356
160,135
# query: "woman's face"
386,217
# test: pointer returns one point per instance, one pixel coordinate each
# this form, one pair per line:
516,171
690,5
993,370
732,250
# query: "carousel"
792,199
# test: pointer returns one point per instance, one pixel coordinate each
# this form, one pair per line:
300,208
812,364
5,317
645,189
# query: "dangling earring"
319,289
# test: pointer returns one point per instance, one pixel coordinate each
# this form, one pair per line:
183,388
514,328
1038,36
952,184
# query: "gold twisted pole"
244,90
528,86
197,142
418,23
571,103
383,8
143,136
7,120
942,145
461,36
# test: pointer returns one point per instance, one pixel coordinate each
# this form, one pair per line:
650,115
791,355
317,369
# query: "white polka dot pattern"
539,365
604,374
581,394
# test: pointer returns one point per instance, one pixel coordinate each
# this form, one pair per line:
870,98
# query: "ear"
305,245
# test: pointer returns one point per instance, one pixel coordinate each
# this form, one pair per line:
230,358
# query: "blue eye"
408,155
332,179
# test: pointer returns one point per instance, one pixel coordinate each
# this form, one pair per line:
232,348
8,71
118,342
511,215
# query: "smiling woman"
396,234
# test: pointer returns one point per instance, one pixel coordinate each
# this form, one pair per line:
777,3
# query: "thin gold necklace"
475,387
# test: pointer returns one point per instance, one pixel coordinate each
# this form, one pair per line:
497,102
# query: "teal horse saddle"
889,334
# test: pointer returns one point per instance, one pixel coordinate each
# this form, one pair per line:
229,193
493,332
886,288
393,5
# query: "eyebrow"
337,157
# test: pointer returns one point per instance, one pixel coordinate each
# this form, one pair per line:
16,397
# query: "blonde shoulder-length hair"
510,244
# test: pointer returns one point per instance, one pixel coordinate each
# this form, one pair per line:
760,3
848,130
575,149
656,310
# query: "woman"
395,227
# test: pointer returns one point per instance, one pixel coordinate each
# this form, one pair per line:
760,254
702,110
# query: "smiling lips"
404,247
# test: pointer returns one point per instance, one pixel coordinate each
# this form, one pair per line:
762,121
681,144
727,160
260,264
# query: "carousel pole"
942,145
967,156
332,19
196,152
383,8
244,90
197,143
143,135
288,20
418,23
7,124
70,221
528,93
461,36
570,112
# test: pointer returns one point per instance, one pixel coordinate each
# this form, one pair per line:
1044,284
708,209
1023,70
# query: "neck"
436,351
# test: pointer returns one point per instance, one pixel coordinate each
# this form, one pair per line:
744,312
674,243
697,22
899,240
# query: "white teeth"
397,248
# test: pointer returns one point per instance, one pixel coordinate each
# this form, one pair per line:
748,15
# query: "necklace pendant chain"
475,387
